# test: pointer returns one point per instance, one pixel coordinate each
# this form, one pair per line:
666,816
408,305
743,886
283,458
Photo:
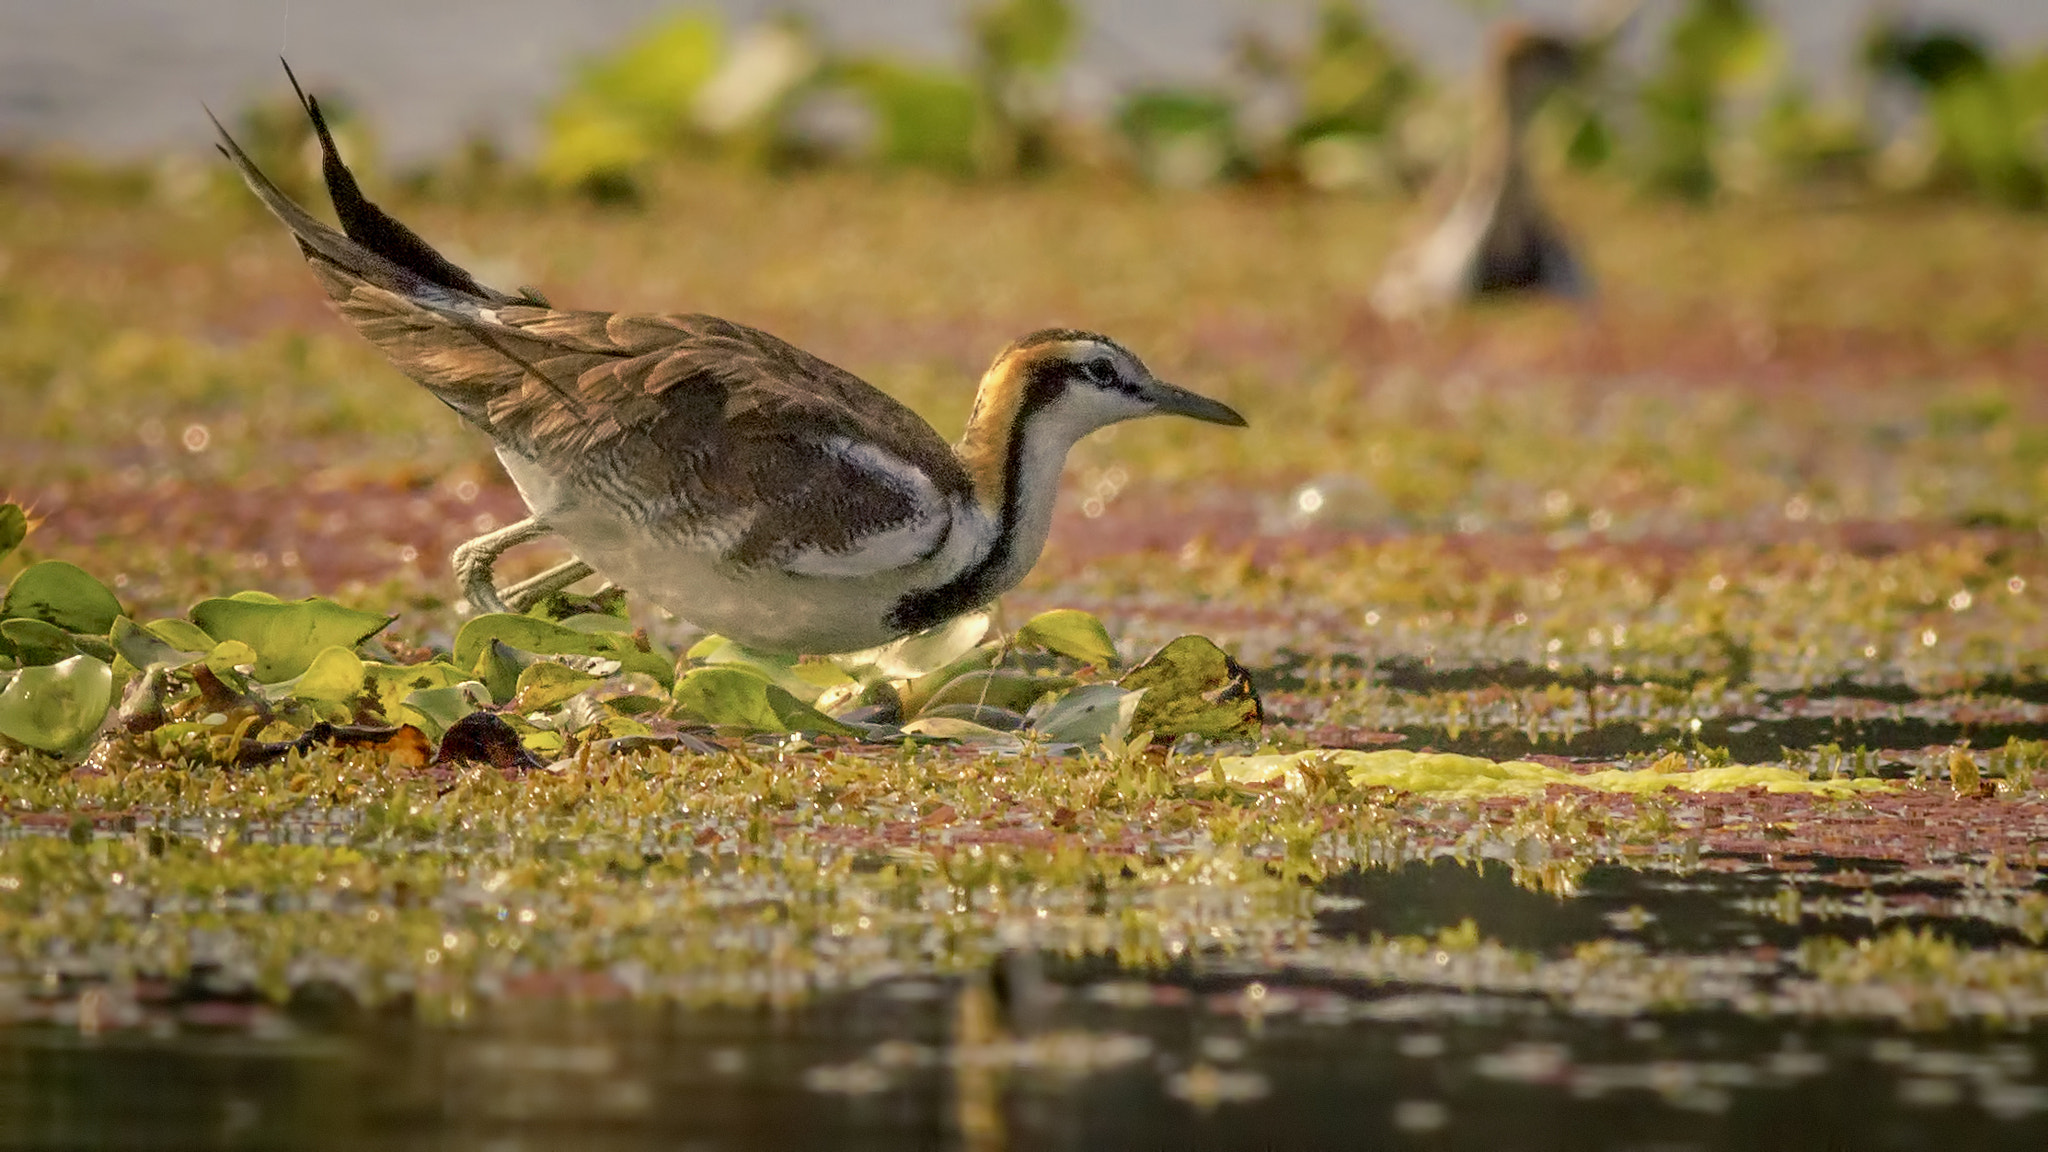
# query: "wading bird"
1496,237
737,481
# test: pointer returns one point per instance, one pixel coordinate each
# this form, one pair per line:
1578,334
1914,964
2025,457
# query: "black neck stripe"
1044,383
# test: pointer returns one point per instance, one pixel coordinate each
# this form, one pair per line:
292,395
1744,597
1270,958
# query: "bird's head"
1067,383
1529,65
1051,388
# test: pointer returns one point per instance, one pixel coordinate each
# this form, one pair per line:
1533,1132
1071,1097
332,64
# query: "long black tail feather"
371,226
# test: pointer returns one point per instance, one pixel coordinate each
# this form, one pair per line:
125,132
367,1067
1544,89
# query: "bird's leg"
525,594
474,559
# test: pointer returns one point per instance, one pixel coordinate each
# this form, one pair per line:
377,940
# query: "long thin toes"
527,593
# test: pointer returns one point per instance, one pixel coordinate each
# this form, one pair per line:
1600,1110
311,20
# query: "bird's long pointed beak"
1172,400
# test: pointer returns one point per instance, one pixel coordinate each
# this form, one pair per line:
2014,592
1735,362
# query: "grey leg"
525,594
474,559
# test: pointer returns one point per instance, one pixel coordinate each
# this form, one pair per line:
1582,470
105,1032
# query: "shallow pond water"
1392,1026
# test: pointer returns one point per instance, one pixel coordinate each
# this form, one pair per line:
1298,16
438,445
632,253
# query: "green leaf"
1015,691
64,595
1070,632
335,676
229,657
57,707
986,715
919,653
183,635
774,667
1192,686
143,648
963,731
546,638
435,710
390,684
499,668
13,527
544,684
35,642
1088,714
286,636
736,698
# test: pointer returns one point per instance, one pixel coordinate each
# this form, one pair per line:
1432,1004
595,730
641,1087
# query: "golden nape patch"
1447,773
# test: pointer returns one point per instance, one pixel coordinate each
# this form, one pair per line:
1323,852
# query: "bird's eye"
1101,370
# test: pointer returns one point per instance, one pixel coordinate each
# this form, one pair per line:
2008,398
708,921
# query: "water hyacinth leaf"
1072,633
183,635
499,668
13,527
956,729
736,698
1015,691
57,707
435,710
62,594
286,636
920,653
918,692
33,642
1193,687
230,658
144,648
390,684
1088,714
545,684
591,623
546,638
774,667
986,715
334,676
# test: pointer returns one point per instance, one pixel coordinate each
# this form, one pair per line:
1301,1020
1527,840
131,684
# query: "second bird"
734,479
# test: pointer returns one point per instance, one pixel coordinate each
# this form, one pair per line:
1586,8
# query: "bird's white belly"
759,607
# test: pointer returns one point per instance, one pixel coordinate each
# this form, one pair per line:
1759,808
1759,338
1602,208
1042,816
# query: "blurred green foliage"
1713,111
1984,118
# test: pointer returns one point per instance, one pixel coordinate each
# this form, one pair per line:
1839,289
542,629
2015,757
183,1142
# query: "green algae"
1446,773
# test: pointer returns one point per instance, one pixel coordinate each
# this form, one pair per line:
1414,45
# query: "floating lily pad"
61,594
736,698
286,636
1192,686
1072,633
57,707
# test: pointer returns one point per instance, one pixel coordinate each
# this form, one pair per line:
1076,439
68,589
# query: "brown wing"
698,416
